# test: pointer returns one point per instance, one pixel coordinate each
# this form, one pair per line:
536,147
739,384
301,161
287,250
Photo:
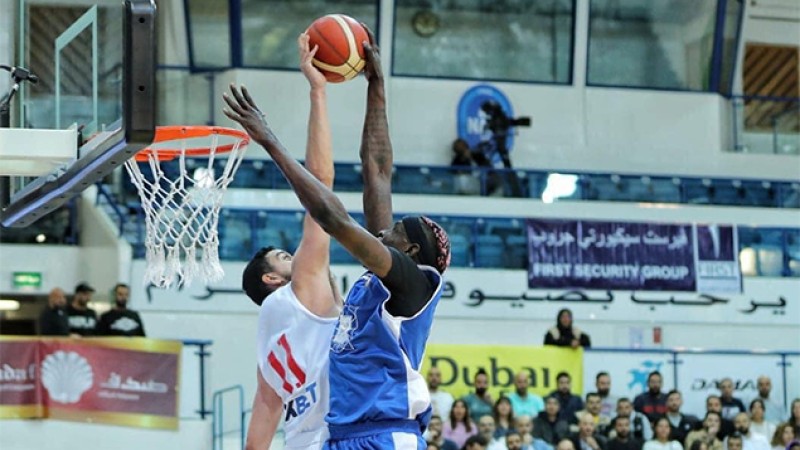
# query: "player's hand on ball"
372,55
244,110
315,78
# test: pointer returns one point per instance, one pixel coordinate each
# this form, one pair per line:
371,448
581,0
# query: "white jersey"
293,348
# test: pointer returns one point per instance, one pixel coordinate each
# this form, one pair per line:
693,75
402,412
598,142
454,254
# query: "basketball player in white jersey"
298,308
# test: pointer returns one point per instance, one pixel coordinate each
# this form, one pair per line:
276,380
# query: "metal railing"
766,124
218,425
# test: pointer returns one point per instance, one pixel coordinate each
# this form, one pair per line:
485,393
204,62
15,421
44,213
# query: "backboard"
96,64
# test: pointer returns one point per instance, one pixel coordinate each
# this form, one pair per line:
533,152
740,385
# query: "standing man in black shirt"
53,320
120,321
82,319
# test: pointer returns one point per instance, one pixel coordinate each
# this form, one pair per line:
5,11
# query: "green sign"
27,280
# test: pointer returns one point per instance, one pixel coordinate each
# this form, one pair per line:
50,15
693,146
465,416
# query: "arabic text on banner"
120,381
459,363
632,256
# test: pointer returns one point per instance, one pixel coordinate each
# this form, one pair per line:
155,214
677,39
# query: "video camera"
498,122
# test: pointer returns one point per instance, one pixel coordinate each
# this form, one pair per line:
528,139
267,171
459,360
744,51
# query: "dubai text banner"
459,363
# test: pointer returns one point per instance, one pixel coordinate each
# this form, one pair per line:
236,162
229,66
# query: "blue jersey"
375,357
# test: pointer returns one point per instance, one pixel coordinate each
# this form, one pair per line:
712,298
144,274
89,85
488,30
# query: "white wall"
8,27
57,264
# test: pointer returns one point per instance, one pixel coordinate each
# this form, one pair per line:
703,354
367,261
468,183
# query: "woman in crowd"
707,434
503,417
699,445
794,418
460,426
660,439
757,422
783,435
564,334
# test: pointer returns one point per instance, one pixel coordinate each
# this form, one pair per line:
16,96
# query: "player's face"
281,263
395,237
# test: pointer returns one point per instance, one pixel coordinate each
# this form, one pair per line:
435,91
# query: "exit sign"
27,280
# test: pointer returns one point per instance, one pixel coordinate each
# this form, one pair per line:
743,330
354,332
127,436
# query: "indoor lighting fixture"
9,305
558,186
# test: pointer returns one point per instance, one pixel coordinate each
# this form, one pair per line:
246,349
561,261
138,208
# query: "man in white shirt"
750,440
441,401
486,429
774,411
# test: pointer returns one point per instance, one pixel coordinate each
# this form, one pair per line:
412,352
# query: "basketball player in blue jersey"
378,398
298,308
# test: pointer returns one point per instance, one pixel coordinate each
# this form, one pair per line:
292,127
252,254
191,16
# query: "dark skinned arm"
318,200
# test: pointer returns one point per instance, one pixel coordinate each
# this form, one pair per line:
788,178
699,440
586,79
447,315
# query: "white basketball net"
182,214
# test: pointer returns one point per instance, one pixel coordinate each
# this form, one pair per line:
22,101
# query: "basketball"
341,52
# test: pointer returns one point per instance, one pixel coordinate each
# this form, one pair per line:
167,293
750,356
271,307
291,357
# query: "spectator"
460,426
514,441
564,334
680,424
593,409
441,401
608,402
662,439
486,428
433,435
640,425
784,434
750,440
120,321
476,442
774,412
570,404
503,417
480,402
82,319
708,434
548,426
432,446
794,445
623,439
731,406
713,403
758,424
53,319
586,438
523,402
698,445
565,444
734,442
652,403
524,426
464,159
794,418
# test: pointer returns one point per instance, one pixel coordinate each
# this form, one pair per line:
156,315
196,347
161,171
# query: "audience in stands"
698,445
623,440
661,437
733,442
587,438
119,320
565,444
433,435
82,319
548,426
514,441
464,159
503,417
640,424
570,404
441,401
53,319
794,445
713,403
608,403
524,402
794,418
479,402
459,426
475,442
524,426
774,411
783,435
565,334
680,424
652,403
731,406
750,440
486,428
708,434
593,409
758,422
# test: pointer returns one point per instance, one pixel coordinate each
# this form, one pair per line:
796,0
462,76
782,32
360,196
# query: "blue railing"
218,421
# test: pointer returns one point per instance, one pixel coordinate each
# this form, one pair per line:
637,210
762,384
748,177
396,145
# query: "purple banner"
611,255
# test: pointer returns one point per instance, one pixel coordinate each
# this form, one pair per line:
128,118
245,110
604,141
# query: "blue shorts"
395,435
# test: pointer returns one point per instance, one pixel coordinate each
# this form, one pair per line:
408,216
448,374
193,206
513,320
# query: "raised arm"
310,272
376,147
318,200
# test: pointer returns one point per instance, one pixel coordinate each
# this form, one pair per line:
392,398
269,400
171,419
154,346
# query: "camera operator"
499,124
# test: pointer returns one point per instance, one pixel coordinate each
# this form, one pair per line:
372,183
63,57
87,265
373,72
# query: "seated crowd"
653,420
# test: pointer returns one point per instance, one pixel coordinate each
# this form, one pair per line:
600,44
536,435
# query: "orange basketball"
341,50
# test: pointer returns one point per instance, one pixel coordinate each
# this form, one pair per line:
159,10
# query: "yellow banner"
459,363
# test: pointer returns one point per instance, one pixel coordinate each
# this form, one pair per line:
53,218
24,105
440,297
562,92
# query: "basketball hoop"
182,208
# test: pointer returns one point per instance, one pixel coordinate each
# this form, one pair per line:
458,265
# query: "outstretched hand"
315,78
372,55
244,110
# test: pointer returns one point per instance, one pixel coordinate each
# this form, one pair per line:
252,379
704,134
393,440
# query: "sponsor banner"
121,381
635,256
459,363
20,396
699,376
628,370
503,294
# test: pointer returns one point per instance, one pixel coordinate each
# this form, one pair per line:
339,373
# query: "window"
209,33
511,40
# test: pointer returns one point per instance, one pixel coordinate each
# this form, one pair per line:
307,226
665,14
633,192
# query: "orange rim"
177,132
